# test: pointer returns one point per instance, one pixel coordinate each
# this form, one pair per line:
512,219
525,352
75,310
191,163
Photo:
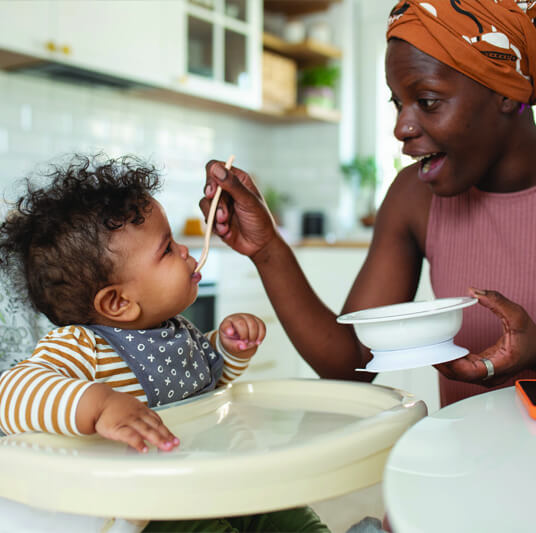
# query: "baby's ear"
111,303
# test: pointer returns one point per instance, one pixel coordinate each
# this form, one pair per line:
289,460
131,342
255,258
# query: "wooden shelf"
292,8
306,52
303,113
273,116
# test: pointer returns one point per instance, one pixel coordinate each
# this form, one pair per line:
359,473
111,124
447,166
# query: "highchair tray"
248,448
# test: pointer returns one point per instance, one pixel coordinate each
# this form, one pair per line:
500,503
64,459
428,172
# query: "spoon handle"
210,220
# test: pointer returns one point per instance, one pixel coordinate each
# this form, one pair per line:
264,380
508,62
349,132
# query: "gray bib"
171,363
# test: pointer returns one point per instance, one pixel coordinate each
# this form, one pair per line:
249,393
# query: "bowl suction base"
432,354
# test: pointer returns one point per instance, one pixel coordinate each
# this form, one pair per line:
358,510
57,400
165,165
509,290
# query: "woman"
461,79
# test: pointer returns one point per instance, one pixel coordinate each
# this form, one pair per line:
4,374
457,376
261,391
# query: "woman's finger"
235,181
509,312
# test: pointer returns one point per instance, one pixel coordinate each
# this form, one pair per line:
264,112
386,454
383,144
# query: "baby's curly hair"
55,240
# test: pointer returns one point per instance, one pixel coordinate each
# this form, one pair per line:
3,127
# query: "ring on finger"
490,369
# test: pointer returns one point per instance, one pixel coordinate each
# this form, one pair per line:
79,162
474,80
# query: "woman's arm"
390,274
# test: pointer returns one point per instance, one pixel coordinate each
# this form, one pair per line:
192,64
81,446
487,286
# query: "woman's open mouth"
429,165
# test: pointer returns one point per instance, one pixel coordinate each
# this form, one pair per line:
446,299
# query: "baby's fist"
241,334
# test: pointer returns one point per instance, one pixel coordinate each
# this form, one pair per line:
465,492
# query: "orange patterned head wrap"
491,41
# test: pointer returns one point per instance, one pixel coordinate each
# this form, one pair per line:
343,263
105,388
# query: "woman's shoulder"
408,185
407,203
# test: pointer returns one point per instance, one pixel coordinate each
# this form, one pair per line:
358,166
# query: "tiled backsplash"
41,119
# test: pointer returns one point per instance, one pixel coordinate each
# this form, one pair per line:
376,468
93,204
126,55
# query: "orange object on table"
526,389
193,226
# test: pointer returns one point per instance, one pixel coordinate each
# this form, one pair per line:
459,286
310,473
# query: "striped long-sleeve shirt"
43,392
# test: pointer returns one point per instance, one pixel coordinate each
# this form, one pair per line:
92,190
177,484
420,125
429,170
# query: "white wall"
42,119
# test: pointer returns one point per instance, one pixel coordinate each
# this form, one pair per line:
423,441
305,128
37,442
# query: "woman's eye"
396,103
428,103
168,248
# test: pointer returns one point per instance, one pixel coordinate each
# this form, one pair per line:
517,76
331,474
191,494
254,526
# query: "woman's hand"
241,334
119,416
242,219
514,351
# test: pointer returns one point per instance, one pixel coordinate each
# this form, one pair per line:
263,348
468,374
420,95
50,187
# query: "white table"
470,467
248,448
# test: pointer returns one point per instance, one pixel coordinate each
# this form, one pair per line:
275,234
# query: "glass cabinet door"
236,9
207,4
200,47
223,44
235,59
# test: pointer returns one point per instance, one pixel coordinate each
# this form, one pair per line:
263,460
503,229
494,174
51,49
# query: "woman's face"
451,124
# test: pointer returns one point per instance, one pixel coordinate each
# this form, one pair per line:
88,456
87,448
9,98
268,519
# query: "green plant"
320,76
364,167
275,200
363,170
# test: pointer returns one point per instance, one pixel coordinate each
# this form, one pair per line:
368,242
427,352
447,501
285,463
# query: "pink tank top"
487,241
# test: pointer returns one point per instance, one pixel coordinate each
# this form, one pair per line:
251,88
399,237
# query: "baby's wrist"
91,406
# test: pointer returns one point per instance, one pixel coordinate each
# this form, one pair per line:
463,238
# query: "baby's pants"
299,520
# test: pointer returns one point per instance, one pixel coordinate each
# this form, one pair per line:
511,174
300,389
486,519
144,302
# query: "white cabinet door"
119,37
331,271
116,37
241,290
24,26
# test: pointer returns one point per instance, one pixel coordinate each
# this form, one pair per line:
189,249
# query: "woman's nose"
406,127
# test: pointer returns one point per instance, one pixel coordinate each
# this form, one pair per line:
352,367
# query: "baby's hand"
241,334
126,419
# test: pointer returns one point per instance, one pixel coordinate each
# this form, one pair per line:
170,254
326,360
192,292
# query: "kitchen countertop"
361,240
337,243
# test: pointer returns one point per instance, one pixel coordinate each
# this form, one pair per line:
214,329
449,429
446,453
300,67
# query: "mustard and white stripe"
233,366
43,392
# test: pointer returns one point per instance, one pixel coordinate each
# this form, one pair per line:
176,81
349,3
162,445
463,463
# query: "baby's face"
154,270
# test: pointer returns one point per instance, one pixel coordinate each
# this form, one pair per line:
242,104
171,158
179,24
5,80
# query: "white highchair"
247,448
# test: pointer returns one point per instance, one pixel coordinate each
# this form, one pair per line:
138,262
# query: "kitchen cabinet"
122,38
24,26
209,49
200,52
103,37
118,38
215,53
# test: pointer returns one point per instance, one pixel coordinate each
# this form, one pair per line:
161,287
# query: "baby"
96,253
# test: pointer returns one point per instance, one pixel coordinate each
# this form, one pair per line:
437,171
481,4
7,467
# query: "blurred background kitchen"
294,88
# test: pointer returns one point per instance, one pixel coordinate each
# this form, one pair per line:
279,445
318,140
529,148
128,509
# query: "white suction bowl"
410,334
